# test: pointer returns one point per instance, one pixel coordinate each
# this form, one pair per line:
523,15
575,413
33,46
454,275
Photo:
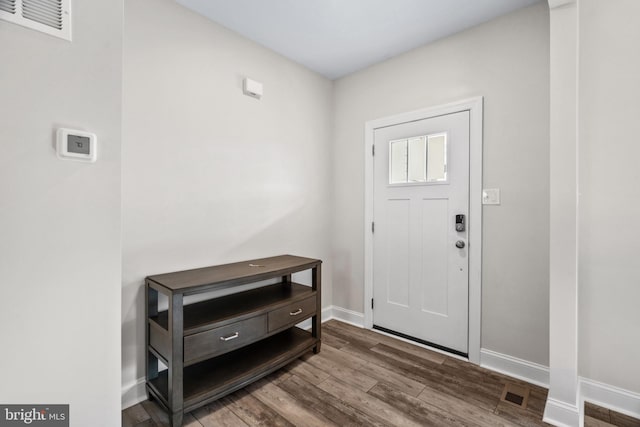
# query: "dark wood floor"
364,378
596,416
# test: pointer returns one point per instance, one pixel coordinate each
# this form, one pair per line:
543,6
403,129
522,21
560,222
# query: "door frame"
475,108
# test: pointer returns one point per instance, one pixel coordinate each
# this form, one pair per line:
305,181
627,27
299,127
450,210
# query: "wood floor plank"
158,415
431,374
376,336
350,376
366,403
475,379
594,422
477,373
337,331
331,407
483,389
609,416
412,349
287,406
135,415
334,341
537,400
519,416
478,385
278,376
190,421
462,409
622,420
399,366
147,423
161,419
419,410
402,356
216,414
597,412
252,411
351,331
307,371
488,375
401,382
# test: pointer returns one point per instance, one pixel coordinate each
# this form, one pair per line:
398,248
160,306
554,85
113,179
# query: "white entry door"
420,254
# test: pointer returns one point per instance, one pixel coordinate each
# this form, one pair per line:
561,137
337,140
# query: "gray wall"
210,175
60,220
507,62
609,202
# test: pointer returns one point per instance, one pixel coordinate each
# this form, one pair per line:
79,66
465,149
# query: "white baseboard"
610,397
562,414
514,367
348,316
134,393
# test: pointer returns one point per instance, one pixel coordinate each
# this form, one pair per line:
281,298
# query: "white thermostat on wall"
74,144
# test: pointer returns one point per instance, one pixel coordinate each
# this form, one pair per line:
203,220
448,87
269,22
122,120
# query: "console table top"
234,274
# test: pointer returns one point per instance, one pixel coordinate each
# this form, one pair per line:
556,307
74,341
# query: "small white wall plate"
252,88
77,145
491,196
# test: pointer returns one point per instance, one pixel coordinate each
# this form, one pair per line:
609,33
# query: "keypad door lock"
460,223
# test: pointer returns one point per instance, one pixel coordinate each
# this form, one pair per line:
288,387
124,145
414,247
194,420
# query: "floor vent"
515,394
514,398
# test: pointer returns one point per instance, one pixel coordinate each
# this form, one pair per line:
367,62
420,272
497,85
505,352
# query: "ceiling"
338,37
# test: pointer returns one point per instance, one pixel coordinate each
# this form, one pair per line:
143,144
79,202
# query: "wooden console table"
219,345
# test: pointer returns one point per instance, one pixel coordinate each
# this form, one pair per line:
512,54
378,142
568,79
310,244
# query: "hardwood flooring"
596,416
363,378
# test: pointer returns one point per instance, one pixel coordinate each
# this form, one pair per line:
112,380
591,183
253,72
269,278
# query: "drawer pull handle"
230,337
295,313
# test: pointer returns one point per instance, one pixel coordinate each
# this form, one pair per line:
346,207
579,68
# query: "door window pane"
398,161
418,159
437,158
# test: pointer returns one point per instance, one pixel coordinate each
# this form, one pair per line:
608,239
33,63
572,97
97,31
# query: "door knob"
460,244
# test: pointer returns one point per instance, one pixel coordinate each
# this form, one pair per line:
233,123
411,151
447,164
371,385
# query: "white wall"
609,272
60,220
210,175
507,62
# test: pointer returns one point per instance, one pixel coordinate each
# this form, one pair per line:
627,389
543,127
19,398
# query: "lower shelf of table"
214,378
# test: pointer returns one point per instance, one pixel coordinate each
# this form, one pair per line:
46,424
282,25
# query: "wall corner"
563,404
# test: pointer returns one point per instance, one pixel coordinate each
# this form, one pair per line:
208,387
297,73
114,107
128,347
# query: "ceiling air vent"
48,16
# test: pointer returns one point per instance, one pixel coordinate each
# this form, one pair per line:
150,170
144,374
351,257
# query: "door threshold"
423,342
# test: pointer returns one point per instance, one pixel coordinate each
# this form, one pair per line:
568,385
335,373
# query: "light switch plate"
491,196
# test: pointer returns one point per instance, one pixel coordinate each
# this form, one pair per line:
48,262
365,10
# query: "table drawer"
291,314
226,338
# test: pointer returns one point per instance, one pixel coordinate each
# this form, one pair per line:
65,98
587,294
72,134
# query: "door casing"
475,107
